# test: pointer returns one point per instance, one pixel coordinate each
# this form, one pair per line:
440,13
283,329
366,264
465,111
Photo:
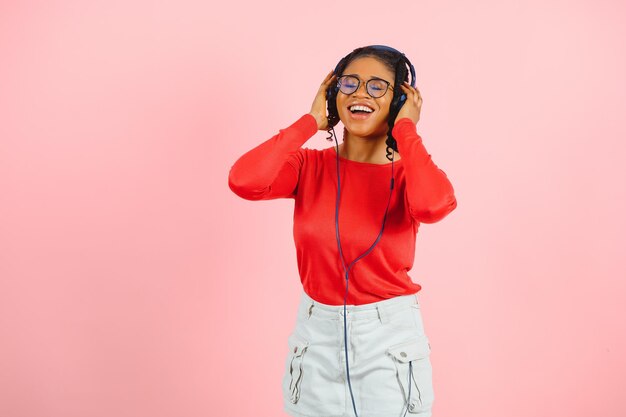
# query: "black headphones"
399,98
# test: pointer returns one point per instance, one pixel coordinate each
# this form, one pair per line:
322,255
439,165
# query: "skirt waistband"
380,309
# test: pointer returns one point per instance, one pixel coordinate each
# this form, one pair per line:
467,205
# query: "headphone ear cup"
331,105
402,100
329,93
396,105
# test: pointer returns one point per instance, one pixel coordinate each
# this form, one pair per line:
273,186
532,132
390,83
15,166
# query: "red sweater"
281,168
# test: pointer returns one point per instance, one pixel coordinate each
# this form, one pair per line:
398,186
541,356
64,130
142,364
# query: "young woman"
359,346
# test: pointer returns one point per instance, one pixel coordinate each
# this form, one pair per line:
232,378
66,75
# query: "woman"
359,347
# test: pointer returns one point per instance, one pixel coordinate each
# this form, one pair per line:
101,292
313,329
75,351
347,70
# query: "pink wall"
133,282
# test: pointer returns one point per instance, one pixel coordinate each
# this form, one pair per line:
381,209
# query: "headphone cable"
332,133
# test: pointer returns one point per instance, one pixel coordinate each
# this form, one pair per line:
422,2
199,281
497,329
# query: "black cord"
331,132
408,400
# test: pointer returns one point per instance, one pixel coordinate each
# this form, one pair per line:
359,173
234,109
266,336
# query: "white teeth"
362,108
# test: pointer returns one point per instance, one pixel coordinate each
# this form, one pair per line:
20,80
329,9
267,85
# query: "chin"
366,131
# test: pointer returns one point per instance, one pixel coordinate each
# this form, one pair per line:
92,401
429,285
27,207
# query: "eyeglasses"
375,87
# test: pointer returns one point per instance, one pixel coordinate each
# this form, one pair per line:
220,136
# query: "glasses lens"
348,84
376,88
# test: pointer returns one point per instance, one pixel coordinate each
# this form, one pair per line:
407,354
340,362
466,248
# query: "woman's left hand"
413,104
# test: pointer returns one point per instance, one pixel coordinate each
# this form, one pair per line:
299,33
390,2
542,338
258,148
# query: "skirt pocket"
297,348
414,373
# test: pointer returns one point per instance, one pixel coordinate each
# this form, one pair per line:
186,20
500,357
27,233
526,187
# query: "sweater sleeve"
429,194
272,169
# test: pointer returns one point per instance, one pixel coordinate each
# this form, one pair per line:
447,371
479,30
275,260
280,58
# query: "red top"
281,168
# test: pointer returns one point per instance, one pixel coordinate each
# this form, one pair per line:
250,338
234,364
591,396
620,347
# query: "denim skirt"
388,356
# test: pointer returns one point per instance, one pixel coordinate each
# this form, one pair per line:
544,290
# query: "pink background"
133,282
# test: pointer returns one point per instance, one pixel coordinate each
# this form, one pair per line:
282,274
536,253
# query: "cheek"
384,107
341,107
340,101
342,112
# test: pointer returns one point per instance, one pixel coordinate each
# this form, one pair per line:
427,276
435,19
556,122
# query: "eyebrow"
373,78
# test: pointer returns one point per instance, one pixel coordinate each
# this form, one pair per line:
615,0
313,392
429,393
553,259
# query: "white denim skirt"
388,356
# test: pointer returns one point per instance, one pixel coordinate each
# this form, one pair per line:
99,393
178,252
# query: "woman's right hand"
318,108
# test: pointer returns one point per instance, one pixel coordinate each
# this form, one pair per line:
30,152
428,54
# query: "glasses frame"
367,84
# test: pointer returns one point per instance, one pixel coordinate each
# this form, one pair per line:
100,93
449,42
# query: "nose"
362,90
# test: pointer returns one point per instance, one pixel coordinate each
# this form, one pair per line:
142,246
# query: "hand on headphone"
413,104
318,108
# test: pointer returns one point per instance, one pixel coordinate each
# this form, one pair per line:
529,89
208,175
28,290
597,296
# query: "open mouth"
359,109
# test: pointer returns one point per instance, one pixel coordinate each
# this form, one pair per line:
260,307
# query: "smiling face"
361,123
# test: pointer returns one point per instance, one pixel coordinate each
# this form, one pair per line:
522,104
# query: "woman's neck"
370,150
